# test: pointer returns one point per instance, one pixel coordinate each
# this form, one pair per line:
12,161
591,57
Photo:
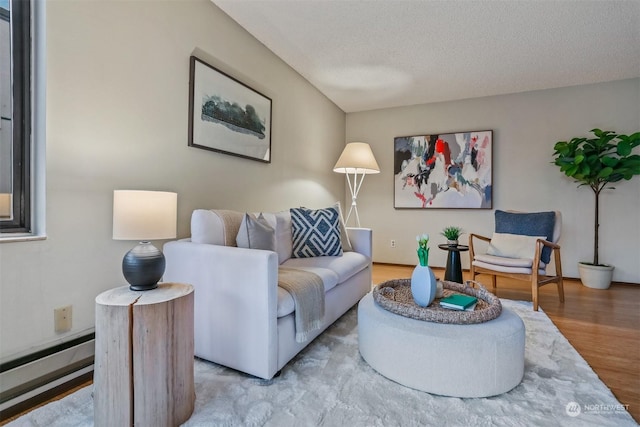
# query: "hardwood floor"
602,325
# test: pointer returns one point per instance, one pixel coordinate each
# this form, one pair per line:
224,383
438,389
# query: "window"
15,108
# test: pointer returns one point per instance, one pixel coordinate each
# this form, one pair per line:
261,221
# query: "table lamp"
356,159
144,216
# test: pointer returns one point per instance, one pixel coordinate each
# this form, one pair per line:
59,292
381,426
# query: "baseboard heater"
29,380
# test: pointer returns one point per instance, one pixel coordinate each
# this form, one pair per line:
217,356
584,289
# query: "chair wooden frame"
535,278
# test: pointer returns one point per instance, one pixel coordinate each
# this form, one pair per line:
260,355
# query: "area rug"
329,384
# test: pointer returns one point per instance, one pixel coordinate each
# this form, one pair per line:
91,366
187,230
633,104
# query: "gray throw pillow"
256,233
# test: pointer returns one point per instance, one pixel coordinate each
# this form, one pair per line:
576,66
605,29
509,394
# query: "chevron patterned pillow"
315,232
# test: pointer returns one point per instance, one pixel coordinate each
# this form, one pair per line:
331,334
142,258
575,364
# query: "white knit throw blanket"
307,291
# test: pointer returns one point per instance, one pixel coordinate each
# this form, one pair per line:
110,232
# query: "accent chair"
520,242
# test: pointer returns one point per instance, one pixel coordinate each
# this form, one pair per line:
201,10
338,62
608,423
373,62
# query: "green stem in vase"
423,256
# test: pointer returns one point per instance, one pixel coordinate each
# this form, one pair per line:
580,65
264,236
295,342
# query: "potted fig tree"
597,163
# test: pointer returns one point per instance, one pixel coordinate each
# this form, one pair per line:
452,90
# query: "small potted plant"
596,163
452,233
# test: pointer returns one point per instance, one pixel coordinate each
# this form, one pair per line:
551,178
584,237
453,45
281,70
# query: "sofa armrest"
361,240
235,302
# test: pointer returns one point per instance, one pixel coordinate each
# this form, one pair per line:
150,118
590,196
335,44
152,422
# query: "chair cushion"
513,245
504,261
315,232
528,224
507,269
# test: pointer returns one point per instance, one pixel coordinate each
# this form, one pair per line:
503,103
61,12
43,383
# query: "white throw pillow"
513,245
344,237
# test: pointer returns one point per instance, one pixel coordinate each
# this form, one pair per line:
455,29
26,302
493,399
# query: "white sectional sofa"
243,319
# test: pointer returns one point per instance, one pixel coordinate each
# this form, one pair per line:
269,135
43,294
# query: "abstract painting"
227,116
450,170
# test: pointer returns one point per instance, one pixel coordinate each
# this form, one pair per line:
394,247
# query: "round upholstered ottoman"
479,360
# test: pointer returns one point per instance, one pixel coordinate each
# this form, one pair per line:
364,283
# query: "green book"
458,301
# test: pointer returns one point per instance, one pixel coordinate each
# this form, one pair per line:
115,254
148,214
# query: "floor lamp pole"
354,188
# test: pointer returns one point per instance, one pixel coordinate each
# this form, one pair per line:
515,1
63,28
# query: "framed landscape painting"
451,170
227,116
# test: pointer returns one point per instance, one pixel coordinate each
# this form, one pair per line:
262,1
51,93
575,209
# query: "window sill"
20,237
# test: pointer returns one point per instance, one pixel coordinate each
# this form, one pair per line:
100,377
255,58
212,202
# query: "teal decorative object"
423,249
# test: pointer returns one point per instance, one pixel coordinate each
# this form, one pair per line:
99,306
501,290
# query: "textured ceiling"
370,54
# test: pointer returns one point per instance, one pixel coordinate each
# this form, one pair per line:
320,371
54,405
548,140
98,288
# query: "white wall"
117,110
525,128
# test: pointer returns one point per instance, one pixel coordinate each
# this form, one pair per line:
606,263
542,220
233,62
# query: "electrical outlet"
393,243
62,318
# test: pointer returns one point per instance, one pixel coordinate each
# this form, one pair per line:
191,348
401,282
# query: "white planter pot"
595,276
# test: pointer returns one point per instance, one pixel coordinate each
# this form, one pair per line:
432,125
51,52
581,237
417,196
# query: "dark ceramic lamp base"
143,266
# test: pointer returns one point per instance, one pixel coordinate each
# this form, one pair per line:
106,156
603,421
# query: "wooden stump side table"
144,356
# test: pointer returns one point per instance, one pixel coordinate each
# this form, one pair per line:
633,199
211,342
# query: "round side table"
453,272
144,356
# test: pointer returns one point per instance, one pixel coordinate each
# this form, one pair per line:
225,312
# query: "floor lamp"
357,160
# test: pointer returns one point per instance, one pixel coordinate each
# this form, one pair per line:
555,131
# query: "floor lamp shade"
144,216
357,157
357,160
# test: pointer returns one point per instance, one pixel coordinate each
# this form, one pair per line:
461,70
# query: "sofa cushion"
256,233
215,226
345,266
286,304
315,232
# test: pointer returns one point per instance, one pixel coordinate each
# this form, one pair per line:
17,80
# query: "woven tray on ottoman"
395,296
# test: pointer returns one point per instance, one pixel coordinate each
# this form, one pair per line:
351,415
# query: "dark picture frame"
444,171
226,115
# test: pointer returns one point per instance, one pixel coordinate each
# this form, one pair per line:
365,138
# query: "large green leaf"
624,148
609,161
604,173
571,171
585,169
